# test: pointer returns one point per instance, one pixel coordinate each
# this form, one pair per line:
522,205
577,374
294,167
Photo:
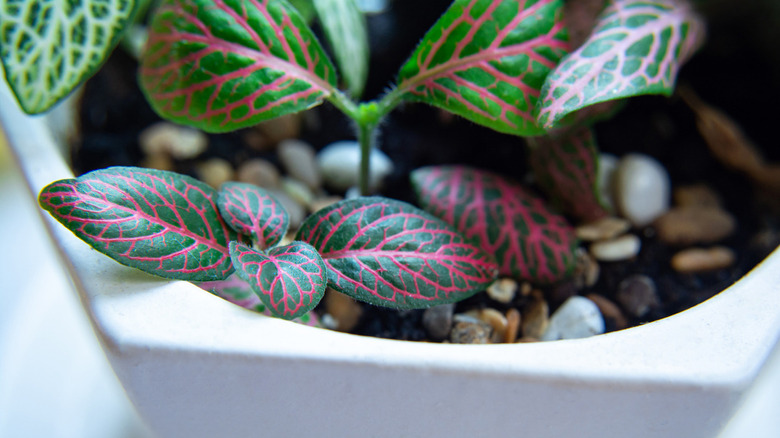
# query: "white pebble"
298,191
613,250
180,142
298,159
578,317
340,165
642,189
605,180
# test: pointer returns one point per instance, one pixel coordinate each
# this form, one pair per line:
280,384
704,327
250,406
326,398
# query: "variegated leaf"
221,65
252,211
529,241
486,60
345,28
566,167
392,254
290,280
48,47
636,48
160,222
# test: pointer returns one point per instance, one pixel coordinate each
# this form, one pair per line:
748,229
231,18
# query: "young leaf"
392,254
160,222
345,28
637,48
238,292
566,167
48,47
221,65
252,211
486,60
290,280
529,241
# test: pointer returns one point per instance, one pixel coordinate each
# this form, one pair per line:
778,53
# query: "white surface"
55,381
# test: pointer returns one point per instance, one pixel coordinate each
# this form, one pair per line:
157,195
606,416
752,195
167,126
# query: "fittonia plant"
221,65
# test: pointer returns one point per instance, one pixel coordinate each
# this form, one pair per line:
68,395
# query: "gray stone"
470,330
437,321
637,294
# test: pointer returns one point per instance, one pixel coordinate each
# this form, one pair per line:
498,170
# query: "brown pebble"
503,290
527,340
536,317
696,195
700,260
469,330
637,294
620,248
689,225
526,288
180,142
259,172
609,310
343,309
215,172
512,325
281,128
586,269
158,161
319,203
495,319
603,229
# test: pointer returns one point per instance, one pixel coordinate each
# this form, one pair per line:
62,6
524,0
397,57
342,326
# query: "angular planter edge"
195,365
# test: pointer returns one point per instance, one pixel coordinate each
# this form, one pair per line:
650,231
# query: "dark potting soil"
732,72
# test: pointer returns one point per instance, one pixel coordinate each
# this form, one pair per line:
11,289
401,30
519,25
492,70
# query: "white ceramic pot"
197,366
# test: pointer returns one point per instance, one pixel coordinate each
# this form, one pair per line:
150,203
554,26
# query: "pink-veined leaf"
566,168
221,65
486,60
637,47
529,241
392,254
252,211
160,222
238,292
290,280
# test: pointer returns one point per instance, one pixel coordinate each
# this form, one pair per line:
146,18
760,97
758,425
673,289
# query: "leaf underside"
529,241
238,292
345,29
159,222
392,254
221,65
486,60
637,47
566,167
252,211
290,280
49,47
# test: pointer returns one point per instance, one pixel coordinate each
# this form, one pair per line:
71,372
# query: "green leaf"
49,47
159,222
637,47
393,254
486,60
566,167
290,280
529,241
252,211
345,28
221,65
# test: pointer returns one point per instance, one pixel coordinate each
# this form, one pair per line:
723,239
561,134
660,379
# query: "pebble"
158,161
326,201
295,211
512,325
642,189
259,172
577,318
690,225
299,160
165,138
606,180
535,319
609,310
298,191
621,248
603,229
340,165
503,290
344,310
638,295
437,321
696,195
470,330
495,319
701,260
586,269
280,128
215,172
